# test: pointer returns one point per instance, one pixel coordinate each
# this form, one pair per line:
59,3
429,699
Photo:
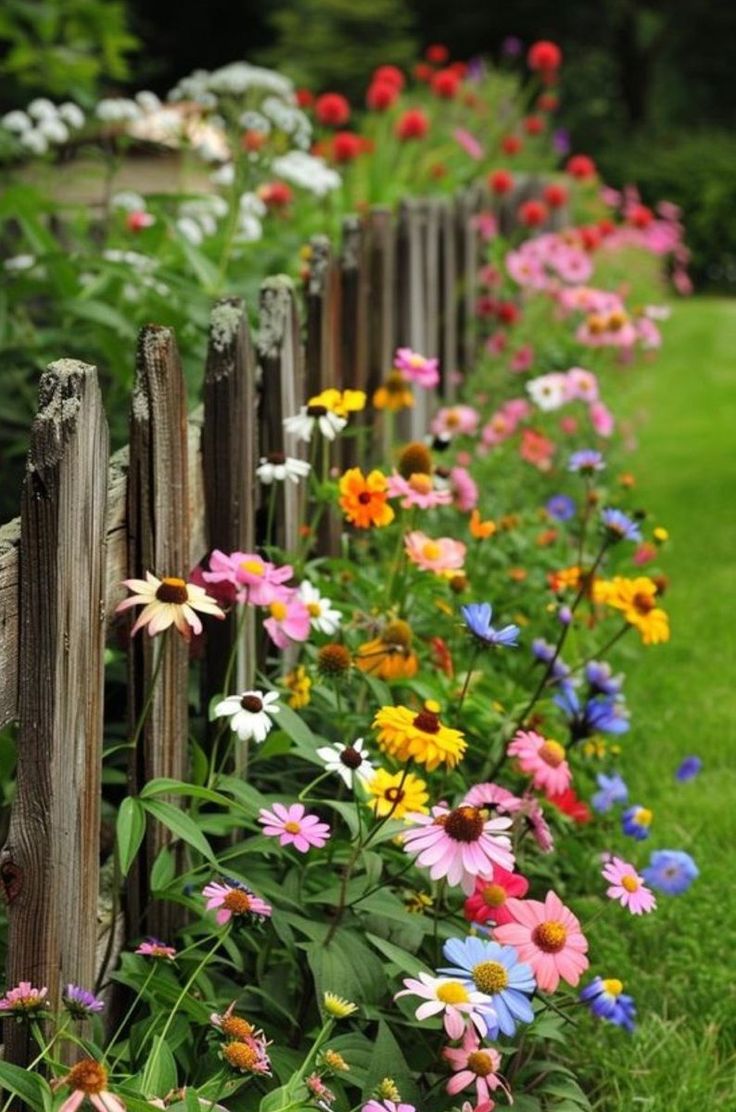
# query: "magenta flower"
152,948
289,620
234,900
293,827
387,1106
460,844
417,368
256,581
628,887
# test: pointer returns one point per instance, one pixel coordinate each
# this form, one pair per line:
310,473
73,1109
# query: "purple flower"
671,871
478,616
561,507
607,1000
586,461
561,141
80,1003
619,526
635,822
599,675
689,769
613,790
512,46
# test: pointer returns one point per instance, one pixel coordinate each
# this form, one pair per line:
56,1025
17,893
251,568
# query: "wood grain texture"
158,521
449,291
50,863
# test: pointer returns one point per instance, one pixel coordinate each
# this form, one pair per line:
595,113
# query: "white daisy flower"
548,391
348,761
54,129
16,121
276,467
324,618
302,423
42,109
71,114
35,141
249,713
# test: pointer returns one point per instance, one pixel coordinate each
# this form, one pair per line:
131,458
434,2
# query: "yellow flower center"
278,611
613,986
236,1028
494,895
550,936
87,1077
453,992
643,816
421,483
240,1055
292,827
552,753
314,609
431,551
480,1063
172,590
253,567
490,977
237,901
630,882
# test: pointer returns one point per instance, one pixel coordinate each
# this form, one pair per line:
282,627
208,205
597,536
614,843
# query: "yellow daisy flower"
397,794
406,735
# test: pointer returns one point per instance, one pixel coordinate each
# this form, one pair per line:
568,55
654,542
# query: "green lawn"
680,963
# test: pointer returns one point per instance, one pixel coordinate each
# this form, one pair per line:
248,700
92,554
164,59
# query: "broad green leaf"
30,1087
388,1061
346,966
131,829
180,824
407,962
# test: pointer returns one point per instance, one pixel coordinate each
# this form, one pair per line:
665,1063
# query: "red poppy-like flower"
275,194
544,56
547,102
590,237
570,805
346,146
414,124
304,98
511,144
532,213
389,75
555,195
508,312
640,216
437,54
606,228
533,125
423,71
580,166
500,181
381,95
445,83
332,109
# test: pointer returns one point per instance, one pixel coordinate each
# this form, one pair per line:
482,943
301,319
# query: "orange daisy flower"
364,498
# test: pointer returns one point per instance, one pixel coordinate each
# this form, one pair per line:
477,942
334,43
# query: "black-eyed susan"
394,393
637,600
407,735
397,794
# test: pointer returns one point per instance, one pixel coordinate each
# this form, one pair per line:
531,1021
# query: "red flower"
508,312
389,75
460,68
606,227
441,656
414,124
381,95
533,125
590,236
581,166
332,109
570,805
555,195
252,141
437,54
544,55
346,146
547,102
445,83
304,98
275,194
640,216
500,181
511,144
422,71
532,213
490,896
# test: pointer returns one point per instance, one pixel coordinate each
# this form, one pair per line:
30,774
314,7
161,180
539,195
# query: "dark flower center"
251,703
350,757
464,824
364,497
172,590
276,458
427,721
394,795
316,410
643,603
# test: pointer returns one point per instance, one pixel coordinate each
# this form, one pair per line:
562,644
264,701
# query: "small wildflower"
337,1006
292,826
335,1060
247,1055
168,601
250,713
606,999
478,616
635,821
397,794
688,769
333,660
88,1078
24,1000
153,948
80,1003
300,686
671,871
234,900
348,761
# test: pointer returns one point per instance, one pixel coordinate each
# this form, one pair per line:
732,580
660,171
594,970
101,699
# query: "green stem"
124,1022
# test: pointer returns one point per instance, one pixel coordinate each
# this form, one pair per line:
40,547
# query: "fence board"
322,340
448,299
158,541
50,863
229,456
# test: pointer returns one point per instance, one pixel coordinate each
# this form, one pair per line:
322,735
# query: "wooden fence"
184,485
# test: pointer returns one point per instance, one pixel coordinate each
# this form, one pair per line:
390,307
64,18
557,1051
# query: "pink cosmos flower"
531,810
417,368
569,425
488,901
548,937
24,999
474,1065
441,555
460,1004
537,449
542,759
153,948
573,266
418,490
496,343
255,580
489,275
601,418
522,359
455,420
582,384
486,225
459,844
234,900
493,795
468,142
289,620
464,489
517,409
292,826
525,270
628,887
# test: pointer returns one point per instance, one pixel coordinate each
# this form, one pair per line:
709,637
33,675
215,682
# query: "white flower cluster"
43,124
289,119
143,267
129,201
198,218
251,212
306,171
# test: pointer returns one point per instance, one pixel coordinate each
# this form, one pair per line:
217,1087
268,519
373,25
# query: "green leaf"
163,870
180,824
164,786
161,1079
408,963
131,829
348,968
296,728
30,1087
388,1061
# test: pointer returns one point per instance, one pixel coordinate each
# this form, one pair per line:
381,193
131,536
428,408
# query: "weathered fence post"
158,541
50,863
322,295
448,351
355,291
229,457
413,332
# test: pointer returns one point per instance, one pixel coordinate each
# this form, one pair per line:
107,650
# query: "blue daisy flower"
561,507
586,461
478,616
635,821
496,971
689,769
607,1000
613,790
671,871
619,526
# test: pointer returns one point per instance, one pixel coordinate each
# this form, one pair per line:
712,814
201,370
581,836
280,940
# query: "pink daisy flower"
256,581
417,368
234,900
474,1065
493,795
531,810
387,1106
293,827
440,555
522,359
418,490
153,948
601,418
289,620
88,1078
543,759
459,1004
455,420
460,844
488,901
628,887
464,489
24,999
548,937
